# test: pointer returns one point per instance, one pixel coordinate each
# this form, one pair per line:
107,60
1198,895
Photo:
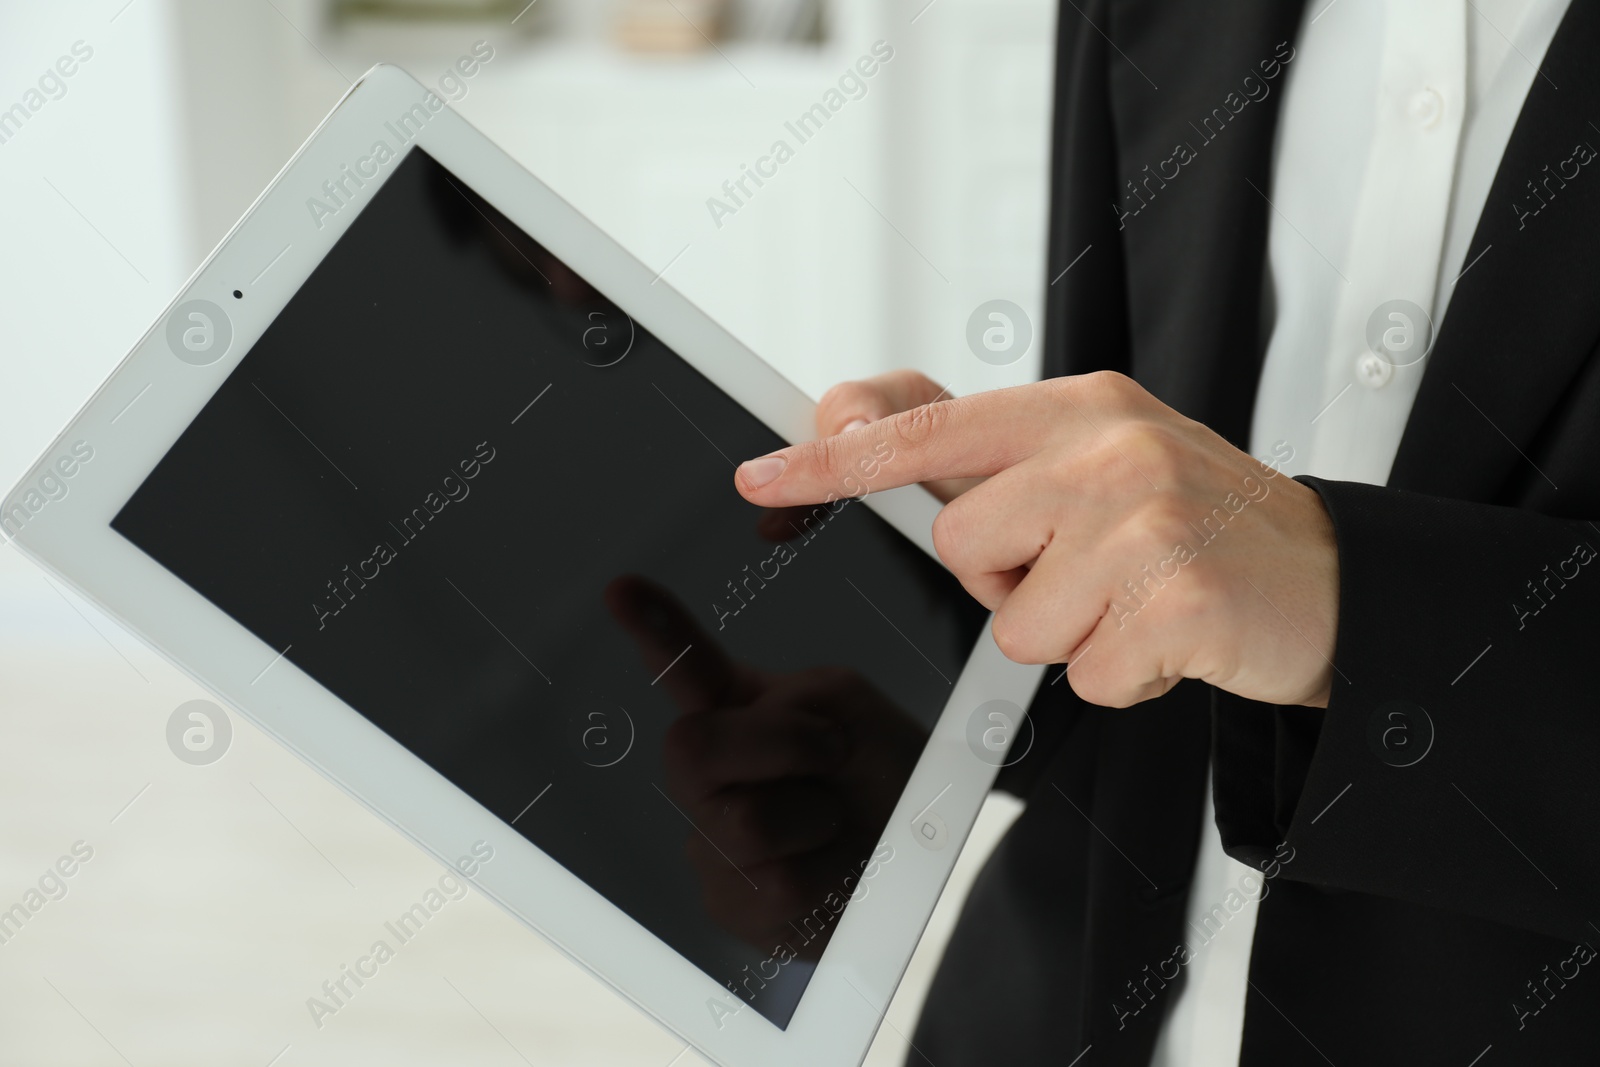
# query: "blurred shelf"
595,65
590,32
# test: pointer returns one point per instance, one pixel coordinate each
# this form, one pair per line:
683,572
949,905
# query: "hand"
790,777
1112,534
852,405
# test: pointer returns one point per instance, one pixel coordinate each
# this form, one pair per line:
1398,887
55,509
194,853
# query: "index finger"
964,437
685,659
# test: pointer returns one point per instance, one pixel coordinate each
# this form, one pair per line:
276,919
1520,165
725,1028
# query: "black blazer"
1430,845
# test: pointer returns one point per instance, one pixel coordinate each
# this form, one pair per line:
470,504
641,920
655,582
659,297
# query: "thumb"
849,405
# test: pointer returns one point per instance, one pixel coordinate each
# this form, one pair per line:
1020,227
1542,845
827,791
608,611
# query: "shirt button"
1427,107
1373,371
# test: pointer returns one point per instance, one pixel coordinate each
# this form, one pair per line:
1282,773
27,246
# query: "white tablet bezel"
69,497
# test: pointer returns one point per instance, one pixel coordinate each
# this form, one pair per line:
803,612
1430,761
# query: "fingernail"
855,424
759,472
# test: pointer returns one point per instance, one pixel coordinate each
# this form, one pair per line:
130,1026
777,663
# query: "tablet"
431,480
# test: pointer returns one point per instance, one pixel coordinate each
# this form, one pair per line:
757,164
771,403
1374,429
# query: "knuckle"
1156,450
1097,687
919,425
1098,692
951,534
1109,382
962,533
829,458
1087,689
1196,596
1159,522
1016,641
1005,636
1097,387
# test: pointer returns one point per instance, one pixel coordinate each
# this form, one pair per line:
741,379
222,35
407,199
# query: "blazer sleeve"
1458,761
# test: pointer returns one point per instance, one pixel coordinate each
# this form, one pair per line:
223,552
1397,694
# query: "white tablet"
431,480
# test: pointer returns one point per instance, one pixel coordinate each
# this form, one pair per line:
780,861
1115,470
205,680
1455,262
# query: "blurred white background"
221,897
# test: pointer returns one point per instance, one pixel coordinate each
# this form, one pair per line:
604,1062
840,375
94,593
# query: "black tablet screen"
476,502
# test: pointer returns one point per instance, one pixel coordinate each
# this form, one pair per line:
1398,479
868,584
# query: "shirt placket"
1381,329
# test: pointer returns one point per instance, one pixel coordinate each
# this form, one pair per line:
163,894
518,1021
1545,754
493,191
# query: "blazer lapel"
1195,95
1525,315
1193,257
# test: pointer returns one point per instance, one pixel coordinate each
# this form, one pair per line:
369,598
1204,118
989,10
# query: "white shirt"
1395,117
